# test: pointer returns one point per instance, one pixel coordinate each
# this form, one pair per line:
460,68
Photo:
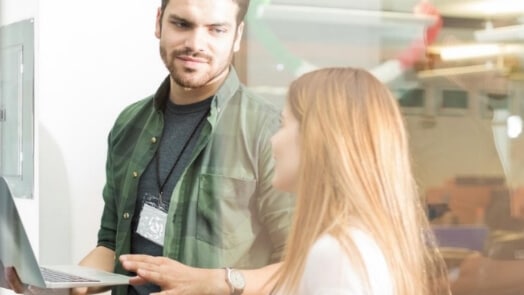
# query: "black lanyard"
157,158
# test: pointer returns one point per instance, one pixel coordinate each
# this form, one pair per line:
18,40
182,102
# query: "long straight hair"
355,171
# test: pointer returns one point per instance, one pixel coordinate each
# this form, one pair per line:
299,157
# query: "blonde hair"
355,171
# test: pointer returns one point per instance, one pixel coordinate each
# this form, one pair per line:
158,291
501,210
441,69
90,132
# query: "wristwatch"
235,280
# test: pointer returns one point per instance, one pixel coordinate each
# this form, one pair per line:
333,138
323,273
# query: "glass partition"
16,106
463,112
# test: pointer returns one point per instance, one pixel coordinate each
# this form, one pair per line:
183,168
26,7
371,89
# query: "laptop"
16,251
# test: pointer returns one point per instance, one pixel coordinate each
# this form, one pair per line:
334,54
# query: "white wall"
94,57
91,59
14,10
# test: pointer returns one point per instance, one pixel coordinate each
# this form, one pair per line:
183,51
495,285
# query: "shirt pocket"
225,211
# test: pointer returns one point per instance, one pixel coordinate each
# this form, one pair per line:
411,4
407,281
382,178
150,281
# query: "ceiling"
395,25
478,9
469,14
461,18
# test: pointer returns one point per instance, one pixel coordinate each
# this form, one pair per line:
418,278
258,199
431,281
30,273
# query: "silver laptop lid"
15,248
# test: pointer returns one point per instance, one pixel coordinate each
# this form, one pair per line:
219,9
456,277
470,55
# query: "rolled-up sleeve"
108,224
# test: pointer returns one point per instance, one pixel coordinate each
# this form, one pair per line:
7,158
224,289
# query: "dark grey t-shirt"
182,127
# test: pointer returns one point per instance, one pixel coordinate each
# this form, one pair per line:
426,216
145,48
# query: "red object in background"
417,48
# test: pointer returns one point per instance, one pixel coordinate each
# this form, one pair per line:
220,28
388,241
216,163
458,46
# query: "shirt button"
153,139
135,174
126,215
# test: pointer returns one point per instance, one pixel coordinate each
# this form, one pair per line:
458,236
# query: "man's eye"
219,30
180,24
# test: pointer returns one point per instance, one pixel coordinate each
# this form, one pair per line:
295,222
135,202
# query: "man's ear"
238,37
158,25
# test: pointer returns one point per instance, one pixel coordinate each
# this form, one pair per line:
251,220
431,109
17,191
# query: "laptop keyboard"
56,276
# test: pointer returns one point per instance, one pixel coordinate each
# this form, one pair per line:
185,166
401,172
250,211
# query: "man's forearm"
100,258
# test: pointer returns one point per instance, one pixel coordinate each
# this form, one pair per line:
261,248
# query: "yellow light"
514,126
482,8
499,7
469,51
475,51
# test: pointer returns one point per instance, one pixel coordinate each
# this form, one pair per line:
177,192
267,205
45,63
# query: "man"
196,158
189,169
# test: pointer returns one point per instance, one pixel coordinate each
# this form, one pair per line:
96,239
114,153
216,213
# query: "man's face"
198,39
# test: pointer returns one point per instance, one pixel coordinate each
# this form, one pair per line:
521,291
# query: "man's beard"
190,78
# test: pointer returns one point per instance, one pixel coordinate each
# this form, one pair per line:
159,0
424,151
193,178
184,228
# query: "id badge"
152,224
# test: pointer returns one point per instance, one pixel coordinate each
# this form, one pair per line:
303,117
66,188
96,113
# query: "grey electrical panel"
17,106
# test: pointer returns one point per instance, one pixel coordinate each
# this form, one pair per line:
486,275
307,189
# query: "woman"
359,226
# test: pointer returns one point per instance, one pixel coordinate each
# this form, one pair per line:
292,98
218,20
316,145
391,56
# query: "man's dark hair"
242,8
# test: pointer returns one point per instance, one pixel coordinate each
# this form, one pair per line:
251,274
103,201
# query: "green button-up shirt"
223,210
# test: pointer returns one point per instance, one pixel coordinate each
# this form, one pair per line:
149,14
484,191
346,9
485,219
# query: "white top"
328,270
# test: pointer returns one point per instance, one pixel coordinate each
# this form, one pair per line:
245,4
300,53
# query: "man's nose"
196,40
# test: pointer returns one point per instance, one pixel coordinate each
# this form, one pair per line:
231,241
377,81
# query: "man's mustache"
190,53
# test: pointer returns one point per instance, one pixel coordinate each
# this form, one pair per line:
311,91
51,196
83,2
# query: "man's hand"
174,277
14,283
11,280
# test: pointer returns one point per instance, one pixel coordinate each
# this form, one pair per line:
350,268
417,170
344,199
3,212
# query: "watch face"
237,279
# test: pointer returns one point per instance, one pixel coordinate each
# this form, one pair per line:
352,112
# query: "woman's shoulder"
328,245
328,266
